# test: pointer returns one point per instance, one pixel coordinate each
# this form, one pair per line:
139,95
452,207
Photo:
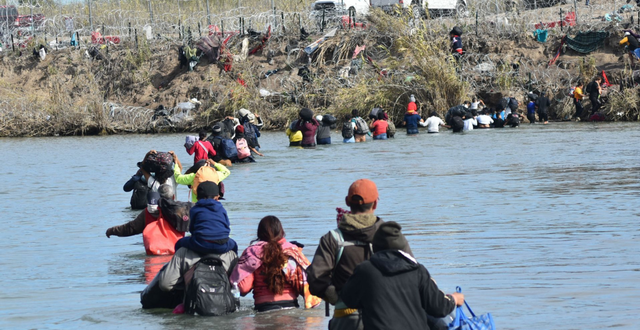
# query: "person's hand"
211,162
459,298
259,154
109,232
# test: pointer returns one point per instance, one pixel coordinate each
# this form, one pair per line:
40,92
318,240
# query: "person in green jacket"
188,177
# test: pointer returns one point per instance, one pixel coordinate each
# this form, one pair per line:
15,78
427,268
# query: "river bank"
70,93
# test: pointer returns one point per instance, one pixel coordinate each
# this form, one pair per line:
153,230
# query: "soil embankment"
72,93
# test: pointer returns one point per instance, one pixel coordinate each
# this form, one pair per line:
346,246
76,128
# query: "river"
538,225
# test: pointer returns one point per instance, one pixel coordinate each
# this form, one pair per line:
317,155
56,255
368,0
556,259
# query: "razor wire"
169,22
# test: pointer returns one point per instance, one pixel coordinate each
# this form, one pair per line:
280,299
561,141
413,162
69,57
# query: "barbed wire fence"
167,23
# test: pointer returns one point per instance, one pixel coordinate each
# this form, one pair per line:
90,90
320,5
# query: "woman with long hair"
274,269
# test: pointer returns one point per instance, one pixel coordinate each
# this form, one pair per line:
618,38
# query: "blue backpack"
229,149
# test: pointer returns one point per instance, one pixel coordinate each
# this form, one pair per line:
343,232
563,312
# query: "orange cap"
363,188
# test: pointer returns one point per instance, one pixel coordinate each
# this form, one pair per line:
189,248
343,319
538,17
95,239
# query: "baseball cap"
153,197
207,189
365,189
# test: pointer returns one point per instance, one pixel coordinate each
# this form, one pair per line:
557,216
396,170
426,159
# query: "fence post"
476,23
90,17
199,32
284,29
136,32
575,9
129,29
13,47
150,12
561,21
180,29
208,15
322,24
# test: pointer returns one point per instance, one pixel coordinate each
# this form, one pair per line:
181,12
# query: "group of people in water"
364,267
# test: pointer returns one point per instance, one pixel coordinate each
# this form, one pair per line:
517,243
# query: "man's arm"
133,227
223,171
434,301
184,179
132,182
172,273
321,268
255,151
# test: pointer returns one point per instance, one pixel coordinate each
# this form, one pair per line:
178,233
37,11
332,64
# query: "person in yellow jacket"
295,136
189,178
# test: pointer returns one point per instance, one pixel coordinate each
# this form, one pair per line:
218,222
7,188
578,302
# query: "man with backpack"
217,141
211,244
594,90
201,149
393,290
543,104
342,249
139,195
360,127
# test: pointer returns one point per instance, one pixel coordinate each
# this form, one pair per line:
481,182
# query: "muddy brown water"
538,225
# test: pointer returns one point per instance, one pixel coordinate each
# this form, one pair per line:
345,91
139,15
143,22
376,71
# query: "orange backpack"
159,237
205,173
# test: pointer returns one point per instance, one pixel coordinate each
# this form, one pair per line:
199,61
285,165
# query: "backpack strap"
337,235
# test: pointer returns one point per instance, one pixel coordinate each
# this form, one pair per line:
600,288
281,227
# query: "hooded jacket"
394,291
209,229
308,129
324,276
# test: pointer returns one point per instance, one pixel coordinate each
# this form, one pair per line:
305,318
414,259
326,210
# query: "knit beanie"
389,237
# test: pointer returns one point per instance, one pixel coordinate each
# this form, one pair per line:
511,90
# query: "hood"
359,227
392,262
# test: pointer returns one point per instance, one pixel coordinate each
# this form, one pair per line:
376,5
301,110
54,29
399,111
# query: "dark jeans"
579,108
531,117
595,104
543,116
324,141
411,131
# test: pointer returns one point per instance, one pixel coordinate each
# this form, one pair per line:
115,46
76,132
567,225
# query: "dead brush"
623,106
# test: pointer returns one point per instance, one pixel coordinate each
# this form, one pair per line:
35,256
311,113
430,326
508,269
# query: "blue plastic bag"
462,322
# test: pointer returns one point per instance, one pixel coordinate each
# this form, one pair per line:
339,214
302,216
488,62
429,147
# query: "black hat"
207,189
389,237
153,197
216,129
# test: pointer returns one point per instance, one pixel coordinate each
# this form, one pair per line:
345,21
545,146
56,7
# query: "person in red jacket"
201,148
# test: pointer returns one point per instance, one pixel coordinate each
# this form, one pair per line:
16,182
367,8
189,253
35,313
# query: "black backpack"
139,196
208,291
251,135
457,124
347,130
504,103
513,104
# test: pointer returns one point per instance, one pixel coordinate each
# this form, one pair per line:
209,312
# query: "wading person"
308,126
201,149
577,100
360,127
394,291
434,122
273,269
484,120
342,249
209,229
543,104
594,90
411,121
379,127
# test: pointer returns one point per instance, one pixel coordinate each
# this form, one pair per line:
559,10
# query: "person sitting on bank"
209,235
273,269
393,290
209,225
